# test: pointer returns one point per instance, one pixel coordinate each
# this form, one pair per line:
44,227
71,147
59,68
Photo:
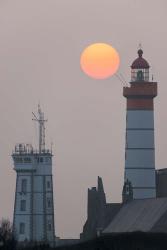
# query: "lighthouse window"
140,75
48,184
23,205
22,228
49,226
41,159
49,203
24,185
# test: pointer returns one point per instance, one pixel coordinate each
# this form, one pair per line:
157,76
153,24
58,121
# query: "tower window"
41,159
22,228
19,160
48,184
49,226
27,160
47,159
23,205
24,185
49,203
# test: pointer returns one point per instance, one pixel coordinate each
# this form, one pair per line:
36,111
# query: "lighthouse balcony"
141,90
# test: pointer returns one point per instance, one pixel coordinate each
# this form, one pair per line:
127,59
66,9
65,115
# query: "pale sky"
40,46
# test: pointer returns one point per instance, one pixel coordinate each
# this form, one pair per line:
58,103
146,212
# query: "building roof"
140,62
111,209
161,171
140,215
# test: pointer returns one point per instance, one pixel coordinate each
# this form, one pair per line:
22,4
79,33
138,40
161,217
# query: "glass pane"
23,205
22,228
24,185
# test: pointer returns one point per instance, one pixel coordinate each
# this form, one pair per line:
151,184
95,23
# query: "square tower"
34,207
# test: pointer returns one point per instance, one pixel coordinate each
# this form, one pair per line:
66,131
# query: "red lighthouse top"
140,69
140,62
141,91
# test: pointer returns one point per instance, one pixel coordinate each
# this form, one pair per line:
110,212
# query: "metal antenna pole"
40,119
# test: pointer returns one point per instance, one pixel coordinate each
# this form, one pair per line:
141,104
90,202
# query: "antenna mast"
40,119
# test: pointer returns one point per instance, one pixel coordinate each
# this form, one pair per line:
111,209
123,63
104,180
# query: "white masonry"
34,208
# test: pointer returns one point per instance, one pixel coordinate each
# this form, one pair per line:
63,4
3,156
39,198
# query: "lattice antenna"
40,119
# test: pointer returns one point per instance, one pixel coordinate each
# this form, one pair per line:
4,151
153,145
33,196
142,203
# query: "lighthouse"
33,219
139,177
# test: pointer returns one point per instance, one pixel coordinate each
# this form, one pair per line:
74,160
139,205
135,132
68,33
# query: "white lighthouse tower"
139,151
34,209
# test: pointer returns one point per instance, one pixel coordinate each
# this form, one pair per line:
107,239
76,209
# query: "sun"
100,60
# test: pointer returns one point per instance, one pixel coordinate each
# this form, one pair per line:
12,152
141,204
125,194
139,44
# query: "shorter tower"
99,212
95,211
139,151
34,208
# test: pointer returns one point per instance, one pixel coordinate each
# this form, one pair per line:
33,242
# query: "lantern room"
140,69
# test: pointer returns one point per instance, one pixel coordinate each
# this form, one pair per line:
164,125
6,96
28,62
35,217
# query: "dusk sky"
40,46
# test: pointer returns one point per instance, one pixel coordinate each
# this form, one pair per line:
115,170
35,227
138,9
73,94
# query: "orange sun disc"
99,60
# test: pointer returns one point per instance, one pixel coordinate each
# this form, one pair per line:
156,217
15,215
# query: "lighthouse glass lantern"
140,69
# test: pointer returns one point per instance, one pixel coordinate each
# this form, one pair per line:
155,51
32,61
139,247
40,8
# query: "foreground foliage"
7,241
121,241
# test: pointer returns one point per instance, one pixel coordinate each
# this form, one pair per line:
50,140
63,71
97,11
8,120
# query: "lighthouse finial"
140,46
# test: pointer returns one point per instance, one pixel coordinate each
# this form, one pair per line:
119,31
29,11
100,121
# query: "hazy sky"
40,46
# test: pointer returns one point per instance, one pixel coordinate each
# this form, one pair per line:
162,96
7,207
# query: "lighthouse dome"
140,69
140,62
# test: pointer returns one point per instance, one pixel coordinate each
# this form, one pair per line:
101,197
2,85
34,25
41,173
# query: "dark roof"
140,62
111,210
161,171
140,215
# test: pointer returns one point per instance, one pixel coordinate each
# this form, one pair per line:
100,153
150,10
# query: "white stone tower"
34,208
139,151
